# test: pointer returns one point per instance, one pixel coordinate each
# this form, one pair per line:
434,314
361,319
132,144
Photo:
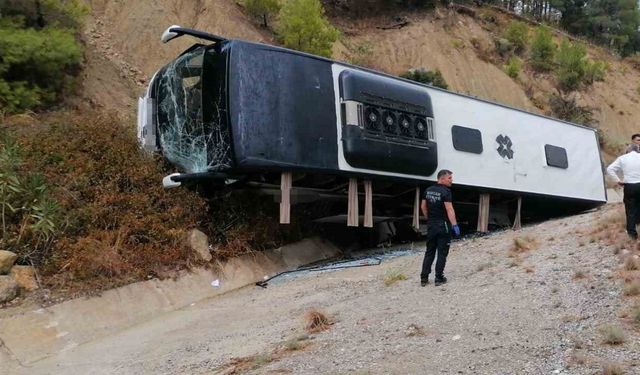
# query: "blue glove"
456,230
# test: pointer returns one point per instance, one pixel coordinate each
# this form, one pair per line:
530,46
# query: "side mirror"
167,35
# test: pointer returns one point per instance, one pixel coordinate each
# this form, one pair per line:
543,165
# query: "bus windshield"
191,111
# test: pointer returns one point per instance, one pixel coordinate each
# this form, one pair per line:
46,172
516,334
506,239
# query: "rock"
25,276
199,242
8,289
7,258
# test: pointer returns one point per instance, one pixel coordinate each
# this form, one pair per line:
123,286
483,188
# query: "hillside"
126,40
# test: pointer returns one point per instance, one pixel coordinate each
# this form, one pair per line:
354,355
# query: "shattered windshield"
191,112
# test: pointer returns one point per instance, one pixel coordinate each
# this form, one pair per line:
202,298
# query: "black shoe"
440,280
424,282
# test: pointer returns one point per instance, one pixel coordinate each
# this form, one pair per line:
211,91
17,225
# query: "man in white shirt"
627,166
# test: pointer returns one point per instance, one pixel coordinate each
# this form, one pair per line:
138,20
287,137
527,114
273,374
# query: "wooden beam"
368,204
517,222
483,213
285,197
352,208
416,210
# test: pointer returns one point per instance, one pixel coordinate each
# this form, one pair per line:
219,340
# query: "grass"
523,244
242,365
579,274
392,276
316,321
415,330
631,264
483,266
610,368
632,289
612,334
635,315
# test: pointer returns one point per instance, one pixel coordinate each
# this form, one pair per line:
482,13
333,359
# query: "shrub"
566,108
120,224
513,67
303,26
594,71
429,77
542,50
571,65
517,33
504,47
263,9
30,217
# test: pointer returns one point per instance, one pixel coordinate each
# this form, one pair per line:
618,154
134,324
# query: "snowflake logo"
504,146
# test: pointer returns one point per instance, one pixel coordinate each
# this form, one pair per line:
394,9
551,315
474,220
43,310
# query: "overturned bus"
236,114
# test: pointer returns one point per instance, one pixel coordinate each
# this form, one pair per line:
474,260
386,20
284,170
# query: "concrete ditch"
38,334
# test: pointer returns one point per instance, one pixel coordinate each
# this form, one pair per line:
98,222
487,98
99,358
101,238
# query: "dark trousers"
632,207
438,239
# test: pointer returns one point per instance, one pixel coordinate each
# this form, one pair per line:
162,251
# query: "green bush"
40,52
594,71
543,50
513,67
433,78
303,26
263,9
518,34
504,47
570,61
30,218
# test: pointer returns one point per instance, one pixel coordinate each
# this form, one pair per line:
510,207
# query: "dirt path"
537,313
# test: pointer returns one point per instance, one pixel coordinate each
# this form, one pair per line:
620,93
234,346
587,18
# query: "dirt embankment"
558,302
124,51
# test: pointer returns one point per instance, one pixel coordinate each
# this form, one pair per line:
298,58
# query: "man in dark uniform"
436,206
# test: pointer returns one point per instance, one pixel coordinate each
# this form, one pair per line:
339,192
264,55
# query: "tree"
518,34
303,26
571,65
264,9
39,51
543,50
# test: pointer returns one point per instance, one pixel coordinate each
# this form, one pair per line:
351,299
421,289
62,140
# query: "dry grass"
612,334
577,359
523,244
635,315
392,276
579,275
415,330
316,321
631,263
610,368
241,365
120,225
632,289
483,266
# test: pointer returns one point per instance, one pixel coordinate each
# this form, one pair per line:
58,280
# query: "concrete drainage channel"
32,336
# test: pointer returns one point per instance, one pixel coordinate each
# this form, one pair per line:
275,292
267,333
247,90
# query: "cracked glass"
192,125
